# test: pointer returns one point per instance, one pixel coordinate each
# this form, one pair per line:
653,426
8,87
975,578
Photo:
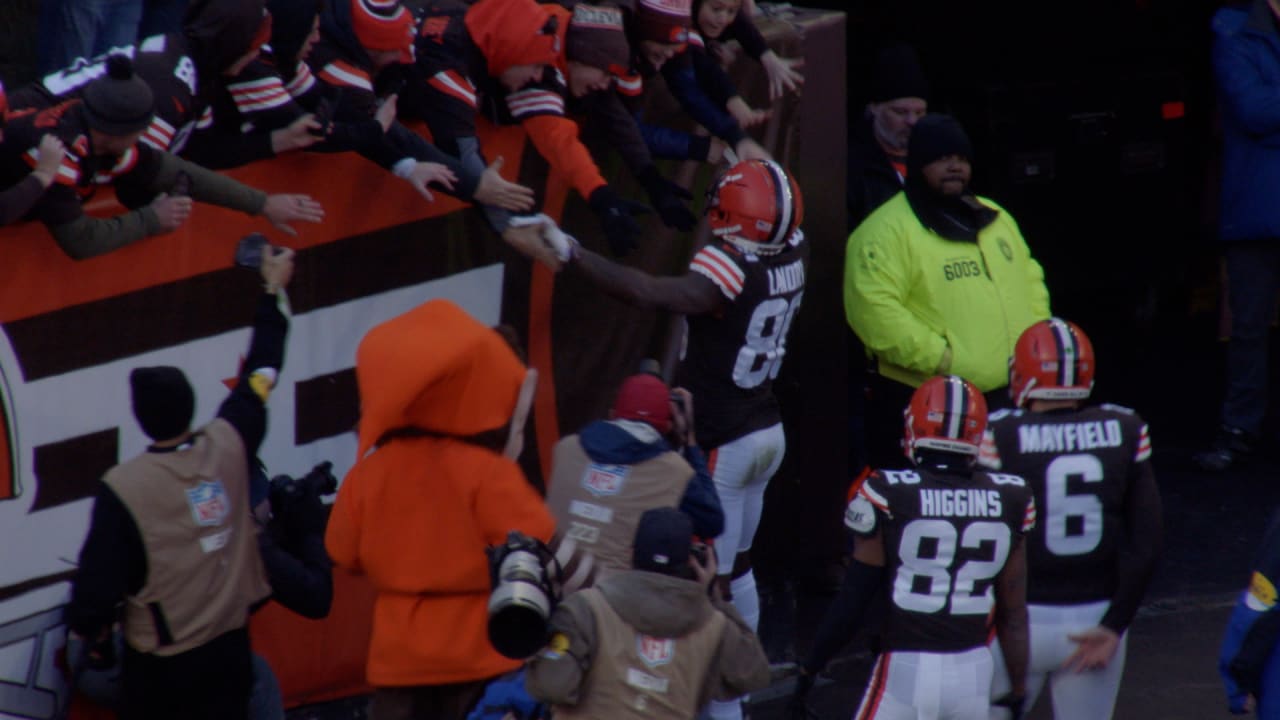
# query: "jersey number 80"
760,358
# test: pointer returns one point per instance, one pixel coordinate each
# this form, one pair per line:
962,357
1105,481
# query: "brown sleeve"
85,237
208,186
17,200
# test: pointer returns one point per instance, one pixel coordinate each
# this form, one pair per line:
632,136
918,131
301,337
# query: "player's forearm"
1012,630
626,284
1140,548
845,614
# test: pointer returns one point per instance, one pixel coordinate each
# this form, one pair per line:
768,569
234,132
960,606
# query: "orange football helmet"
1053,360
946,413
755,203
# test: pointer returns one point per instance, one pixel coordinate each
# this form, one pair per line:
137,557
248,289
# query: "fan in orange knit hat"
383,25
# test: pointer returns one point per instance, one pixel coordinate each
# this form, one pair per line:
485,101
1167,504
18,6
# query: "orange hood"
513,32
435,368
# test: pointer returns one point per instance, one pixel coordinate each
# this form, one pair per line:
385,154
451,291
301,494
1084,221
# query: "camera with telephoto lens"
526,587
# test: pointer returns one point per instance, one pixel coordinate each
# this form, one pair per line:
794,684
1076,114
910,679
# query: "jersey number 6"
1060,505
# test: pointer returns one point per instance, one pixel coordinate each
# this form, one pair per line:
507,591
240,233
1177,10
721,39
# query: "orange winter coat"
416,513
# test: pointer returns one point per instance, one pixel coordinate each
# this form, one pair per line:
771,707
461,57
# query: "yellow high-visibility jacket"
924,305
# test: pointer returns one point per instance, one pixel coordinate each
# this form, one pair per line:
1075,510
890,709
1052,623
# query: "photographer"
441,396
651,637
292,521
172,540
615,469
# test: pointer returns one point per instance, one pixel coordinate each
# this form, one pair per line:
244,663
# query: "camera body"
700,552
319,481
295,502
526,587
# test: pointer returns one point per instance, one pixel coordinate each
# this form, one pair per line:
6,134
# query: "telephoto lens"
523,596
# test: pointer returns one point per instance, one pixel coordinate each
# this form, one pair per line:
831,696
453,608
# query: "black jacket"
872,178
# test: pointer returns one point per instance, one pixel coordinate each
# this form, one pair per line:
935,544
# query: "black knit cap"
935,136
119,102
897,74
163,401
664,538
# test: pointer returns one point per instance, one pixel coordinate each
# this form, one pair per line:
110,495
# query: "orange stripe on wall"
541,287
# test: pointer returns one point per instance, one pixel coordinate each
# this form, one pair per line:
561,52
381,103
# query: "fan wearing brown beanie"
651,636
101,127
183,69
937,280
172,539
519,62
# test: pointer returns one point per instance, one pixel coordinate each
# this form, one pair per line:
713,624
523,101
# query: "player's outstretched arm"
690,294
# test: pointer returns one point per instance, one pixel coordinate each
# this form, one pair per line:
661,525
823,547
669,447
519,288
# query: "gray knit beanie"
119,102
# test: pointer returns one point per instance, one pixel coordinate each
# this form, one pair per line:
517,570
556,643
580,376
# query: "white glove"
560,242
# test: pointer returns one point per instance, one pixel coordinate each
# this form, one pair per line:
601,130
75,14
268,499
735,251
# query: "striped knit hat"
597,37
383,25
663,21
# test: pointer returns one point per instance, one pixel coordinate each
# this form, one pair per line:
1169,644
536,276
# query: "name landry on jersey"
1070,437
787,278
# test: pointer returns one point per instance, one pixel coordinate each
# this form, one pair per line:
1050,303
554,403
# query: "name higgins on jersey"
1069,437
960,502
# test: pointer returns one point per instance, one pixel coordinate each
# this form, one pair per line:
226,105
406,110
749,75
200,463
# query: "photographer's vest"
633,675
203,565
598,506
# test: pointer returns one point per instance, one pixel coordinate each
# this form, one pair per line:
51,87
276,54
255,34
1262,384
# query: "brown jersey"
946,538
1080,464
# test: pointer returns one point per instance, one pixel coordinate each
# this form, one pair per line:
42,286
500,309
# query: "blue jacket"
1249,660
1246,66
605,442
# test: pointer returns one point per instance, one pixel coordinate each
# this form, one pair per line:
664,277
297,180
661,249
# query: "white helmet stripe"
956,406
1067,352
785,204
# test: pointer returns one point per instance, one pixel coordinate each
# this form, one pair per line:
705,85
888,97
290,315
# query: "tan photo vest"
204,569
598,506
637,676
